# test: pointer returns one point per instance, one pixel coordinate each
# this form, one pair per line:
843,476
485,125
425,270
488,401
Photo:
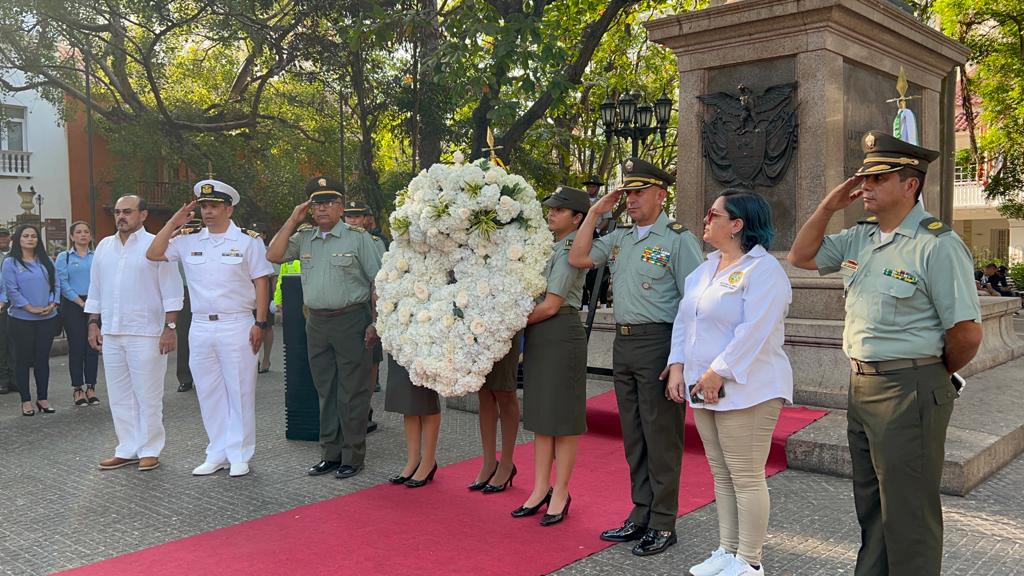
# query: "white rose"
448,321
394,275
404,315
478,326
464,213
514,252
461,299
387,306
483,288
492,176
423,317
458,157
421,291
402,265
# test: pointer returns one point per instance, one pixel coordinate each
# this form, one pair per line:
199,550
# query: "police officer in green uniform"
339,263
357,214
649,263
912,320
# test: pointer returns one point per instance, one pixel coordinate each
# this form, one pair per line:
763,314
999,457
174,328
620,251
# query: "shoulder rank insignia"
356,228
677,227
188,229
869,220
935,226
252,233
568,243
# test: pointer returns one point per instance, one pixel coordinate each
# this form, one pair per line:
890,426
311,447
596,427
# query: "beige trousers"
736,443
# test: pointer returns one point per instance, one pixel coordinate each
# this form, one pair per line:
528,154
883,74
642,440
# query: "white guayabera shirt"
131,293
734,323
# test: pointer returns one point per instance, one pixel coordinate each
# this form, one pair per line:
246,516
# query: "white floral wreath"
469,251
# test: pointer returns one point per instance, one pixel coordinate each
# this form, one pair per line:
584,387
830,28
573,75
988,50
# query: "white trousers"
224,369
135,371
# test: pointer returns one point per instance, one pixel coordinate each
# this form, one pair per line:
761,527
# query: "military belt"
641,329
884,366
567,310
322,313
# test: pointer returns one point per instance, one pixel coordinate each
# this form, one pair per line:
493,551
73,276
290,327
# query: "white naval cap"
215,191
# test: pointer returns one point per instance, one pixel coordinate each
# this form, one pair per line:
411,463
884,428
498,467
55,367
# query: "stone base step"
986,432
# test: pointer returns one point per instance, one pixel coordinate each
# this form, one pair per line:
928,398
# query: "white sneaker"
718,561
739,567
239,469
207,468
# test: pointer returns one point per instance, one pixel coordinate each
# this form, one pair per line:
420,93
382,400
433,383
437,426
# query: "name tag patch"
900,274
850,265
233,252
196,254
655,255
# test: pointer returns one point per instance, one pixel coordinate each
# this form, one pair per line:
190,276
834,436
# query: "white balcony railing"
15,163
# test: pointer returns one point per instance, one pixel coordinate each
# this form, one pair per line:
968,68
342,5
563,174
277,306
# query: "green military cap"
639,174
884,153
323,189
593,180
571,198
356,208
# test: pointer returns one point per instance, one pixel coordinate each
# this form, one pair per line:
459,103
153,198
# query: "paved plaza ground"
58,511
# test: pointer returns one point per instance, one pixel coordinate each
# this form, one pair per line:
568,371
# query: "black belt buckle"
213,317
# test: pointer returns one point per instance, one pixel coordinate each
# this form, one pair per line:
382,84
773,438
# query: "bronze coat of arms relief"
749,140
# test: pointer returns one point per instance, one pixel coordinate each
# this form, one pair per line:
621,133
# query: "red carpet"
443,528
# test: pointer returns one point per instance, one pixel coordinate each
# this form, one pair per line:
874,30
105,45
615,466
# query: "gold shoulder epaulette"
869,220
677,227
356,228
252,233
188,230
935,226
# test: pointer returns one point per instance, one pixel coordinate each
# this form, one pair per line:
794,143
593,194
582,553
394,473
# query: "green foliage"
1016,273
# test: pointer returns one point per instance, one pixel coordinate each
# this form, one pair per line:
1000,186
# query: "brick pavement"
57,510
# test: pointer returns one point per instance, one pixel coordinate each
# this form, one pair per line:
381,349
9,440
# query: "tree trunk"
431,127
370,180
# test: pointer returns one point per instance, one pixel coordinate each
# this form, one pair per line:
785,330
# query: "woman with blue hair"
727,361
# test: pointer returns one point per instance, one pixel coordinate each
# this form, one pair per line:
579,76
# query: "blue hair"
756,214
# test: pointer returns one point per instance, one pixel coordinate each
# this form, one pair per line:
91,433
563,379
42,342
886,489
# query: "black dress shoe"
628,532
184,387
524,511
371,426
347,471
414,483
549,519
477,486
495,488
654,542
323,467
5,390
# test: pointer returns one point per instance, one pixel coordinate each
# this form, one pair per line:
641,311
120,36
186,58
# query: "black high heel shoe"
27,412
79,396
524,511
399,479
549,519
492,489
477,486
47,410
413,483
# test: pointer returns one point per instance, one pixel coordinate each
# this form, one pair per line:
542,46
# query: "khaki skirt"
502,377
555,375
404,397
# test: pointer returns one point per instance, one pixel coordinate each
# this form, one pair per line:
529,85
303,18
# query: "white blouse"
734,323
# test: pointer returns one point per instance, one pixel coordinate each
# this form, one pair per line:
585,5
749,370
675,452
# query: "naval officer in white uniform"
227,272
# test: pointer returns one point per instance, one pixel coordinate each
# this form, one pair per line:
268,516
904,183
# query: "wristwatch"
95,321
171,326
262,325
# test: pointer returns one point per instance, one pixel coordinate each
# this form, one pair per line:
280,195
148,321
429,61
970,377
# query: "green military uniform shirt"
563,279
648,275
902,293
337,268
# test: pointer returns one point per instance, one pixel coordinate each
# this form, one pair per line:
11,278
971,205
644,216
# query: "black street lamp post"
630,120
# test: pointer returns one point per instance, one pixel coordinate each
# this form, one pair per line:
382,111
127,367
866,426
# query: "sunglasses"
712,214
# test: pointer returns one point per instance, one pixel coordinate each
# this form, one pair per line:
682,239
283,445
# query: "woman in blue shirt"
73,268
32,289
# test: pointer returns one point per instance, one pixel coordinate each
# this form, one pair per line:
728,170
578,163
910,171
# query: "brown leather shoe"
115,462
148,463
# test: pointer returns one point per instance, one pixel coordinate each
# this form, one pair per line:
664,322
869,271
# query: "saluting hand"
299,213
607,202
843,195
182,216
